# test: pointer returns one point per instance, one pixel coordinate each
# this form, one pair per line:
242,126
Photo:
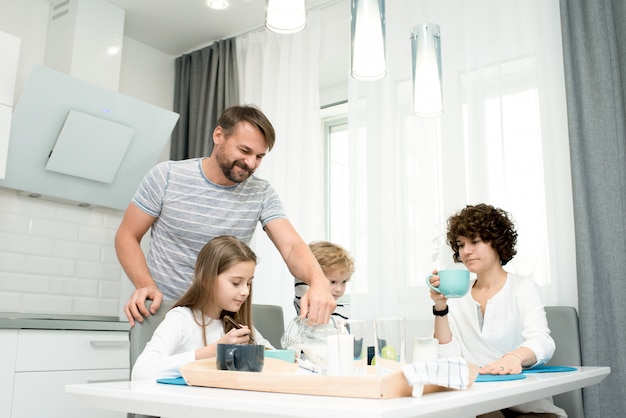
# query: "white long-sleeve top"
175,342
514,317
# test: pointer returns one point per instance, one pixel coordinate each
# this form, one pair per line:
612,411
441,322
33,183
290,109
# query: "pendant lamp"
285,16
427,86
368,39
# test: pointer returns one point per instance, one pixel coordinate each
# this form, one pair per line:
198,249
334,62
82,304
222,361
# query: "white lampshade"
368,39
427,86
285,16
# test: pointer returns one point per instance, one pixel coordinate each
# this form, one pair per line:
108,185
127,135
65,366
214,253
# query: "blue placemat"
549,369
172,380
522,375
498,377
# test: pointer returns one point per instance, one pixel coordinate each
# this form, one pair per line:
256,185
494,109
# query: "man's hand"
318,302
135,308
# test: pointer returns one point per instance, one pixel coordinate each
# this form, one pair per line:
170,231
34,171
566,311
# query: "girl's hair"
216,256
331,257
490,224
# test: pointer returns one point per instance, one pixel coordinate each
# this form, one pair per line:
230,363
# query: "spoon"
236,325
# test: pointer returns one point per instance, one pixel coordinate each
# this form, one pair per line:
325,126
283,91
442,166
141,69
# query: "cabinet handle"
104,380
108,344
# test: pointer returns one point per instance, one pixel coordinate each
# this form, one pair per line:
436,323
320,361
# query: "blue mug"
452,283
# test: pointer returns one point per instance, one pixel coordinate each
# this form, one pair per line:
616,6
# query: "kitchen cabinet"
8,351
46,360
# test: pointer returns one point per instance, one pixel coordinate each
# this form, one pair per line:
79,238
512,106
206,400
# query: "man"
186,203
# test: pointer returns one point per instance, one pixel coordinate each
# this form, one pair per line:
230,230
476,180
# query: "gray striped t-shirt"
190,211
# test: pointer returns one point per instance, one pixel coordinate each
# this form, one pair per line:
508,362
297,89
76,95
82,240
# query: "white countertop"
151,398
9,320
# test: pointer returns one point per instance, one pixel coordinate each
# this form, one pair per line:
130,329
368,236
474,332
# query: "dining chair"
563,324
141,333
269,321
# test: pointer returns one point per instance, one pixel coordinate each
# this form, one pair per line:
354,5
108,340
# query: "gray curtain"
594,43
206,84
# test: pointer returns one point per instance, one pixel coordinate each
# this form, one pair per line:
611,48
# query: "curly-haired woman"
501,323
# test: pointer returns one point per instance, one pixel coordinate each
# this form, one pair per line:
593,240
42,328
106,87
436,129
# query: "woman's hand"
440,300
507,364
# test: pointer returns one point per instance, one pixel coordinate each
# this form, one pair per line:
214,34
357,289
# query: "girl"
191,330
501,323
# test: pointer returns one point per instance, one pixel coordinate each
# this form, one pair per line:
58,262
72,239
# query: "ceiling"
181,26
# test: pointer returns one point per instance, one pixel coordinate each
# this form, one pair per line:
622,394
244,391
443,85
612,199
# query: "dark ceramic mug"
240,357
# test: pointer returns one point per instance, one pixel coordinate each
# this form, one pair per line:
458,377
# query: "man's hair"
251,114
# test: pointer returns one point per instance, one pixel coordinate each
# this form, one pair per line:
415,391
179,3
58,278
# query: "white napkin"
446,372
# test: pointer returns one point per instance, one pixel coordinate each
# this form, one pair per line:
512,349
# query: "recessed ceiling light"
217,4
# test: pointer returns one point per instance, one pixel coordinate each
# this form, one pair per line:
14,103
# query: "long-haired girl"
191,330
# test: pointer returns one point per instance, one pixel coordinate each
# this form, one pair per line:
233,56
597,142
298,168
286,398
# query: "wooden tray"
279,376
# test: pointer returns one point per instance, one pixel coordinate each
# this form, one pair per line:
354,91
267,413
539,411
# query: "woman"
501,323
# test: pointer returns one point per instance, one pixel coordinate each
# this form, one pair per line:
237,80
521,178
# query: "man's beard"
229,170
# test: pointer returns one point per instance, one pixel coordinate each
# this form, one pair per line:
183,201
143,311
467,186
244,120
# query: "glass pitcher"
309,340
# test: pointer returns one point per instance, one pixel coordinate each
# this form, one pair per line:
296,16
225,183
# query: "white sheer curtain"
279,74
501,140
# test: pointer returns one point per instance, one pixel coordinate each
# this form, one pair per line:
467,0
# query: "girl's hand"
236,336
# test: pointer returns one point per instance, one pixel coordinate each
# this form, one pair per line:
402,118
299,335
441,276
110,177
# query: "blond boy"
337,265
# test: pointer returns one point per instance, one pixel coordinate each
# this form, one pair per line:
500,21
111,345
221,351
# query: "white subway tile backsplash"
75,250
12,222
52,229
56,258
50,266
95,306
10,301
79,216
69,287
11,282
107,255
111,219
46,304
12,262
98,236
25,244
109,290
101,271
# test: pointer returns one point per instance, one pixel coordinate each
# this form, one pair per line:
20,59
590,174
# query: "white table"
151,398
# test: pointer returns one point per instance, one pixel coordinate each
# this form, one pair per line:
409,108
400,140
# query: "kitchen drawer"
42,394
42,350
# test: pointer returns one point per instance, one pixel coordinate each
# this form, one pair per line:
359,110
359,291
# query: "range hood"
74,140
73,136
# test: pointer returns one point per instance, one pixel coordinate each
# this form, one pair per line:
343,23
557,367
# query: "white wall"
57,258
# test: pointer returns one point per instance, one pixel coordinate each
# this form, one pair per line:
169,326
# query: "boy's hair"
332,257
218,255
488,223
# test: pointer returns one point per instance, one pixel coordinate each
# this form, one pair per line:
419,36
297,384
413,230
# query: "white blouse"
175,342
514,317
